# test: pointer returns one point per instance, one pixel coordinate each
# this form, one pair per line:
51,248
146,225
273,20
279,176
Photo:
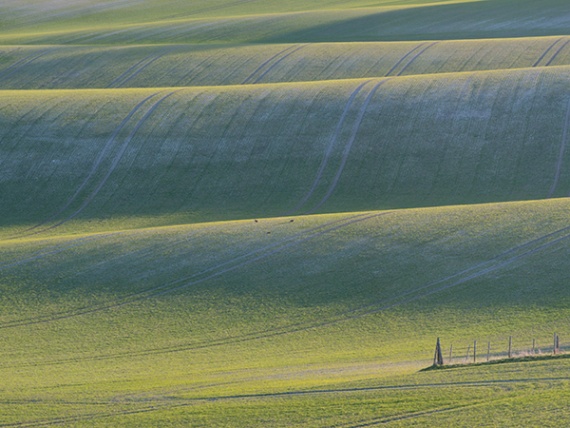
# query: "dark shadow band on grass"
528,358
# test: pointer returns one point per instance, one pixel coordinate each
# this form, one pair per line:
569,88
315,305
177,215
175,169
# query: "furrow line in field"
252,75
112,167
556,53
546,52
194,279
560,159
276,63
416,56
401,60
348,147
329,149
96,164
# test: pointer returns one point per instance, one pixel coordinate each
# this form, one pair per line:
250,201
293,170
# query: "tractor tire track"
95,165
560,160
401,60
115,162
348,147
546,52
276,63
329,149
206,274
135,70
120,78
411,61
251,76
556,53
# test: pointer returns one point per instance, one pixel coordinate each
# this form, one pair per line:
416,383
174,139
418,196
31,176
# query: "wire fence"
481,351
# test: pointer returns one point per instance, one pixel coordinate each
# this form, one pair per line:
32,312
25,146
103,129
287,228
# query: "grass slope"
280,22
222,153
326,302
70,67
262,213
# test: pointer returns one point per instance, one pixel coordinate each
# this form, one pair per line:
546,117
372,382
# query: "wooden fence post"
438,357
450,353
510,346
474,351
488,350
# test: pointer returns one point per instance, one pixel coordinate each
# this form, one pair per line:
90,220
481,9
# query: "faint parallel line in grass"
561,151
333,140
258,69
276,63
556,53
546,52
411,61
348,147
211,272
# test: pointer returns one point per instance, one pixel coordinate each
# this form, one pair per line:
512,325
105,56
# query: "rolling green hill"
263,213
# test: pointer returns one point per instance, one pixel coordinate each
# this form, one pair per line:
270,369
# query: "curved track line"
556,53
248,78
328,150
546,52
276,63
95,165
561,152
115,162
348,147
401,60
415,57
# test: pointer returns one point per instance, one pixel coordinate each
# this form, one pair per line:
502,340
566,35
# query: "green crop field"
262,213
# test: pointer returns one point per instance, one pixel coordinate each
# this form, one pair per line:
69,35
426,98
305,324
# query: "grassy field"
263,213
